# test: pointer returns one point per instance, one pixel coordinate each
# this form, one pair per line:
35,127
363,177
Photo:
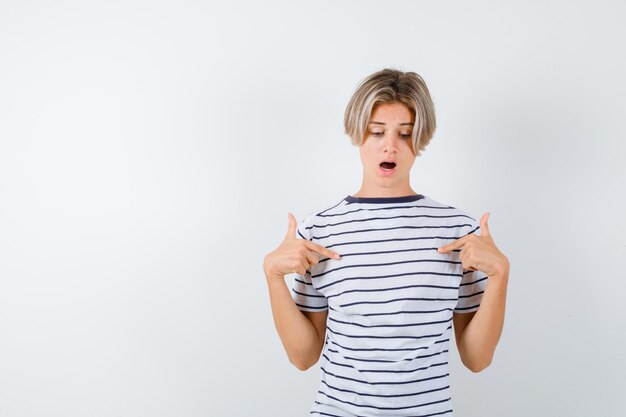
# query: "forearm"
481,335
297,333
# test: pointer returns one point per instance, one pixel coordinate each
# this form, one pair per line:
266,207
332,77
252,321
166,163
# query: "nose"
390,144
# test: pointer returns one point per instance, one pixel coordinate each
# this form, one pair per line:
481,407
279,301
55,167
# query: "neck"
374,191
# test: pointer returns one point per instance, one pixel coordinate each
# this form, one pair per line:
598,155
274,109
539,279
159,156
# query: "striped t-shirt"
390,299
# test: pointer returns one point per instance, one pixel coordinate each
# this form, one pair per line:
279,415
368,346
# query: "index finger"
454,245
321,250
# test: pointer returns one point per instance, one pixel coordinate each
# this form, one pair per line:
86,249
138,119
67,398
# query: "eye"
376,133
403,136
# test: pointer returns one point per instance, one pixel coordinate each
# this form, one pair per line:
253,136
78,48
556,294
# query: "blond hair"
389,86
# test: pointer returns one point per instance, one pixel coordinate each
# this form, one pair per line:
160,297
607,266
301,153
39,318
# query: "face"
387,153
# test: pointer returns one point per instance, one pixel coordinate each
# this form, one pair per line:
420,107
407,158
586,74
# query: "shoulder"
459,216
319,217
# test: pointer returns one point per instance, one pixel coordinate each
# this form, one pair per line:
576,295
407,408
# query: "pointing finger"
321,250
312,258
454,245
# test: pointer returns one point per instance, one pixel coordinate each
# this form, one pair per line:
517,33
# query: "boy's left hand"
479,253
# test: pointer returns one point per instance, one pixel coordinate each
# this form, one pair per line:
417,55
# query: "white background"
150,152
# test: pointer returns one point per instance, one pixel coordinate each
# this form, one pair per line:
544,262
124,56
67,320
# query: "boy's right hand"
294,255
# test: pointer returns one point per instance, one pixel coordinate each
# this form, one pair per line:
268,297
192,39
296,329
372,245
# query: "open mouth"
387,166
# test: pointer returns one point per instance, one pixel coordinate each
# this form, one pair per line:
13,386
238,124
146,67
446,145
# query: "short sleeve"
306,297
473,283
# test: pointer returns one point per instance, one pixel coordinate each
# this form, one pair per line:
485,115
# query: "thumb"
484,228
291,230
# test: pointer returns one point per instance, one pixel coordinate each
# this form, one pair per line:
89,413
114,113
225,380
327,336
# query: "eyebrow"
381,123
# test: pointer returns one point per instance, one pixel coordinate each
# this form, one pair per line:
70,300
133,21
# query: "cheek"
367,156
364,159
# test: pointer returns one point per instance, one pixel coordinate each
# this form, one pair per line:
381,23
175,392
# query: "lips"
387,168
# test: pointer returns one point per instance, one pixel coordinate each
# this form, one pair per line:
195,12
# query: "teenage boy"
386,274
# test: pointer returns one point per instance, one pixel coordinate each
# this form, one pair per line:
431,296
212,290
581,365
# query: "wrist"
271,276
267,268
276,283
498,279
501,272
